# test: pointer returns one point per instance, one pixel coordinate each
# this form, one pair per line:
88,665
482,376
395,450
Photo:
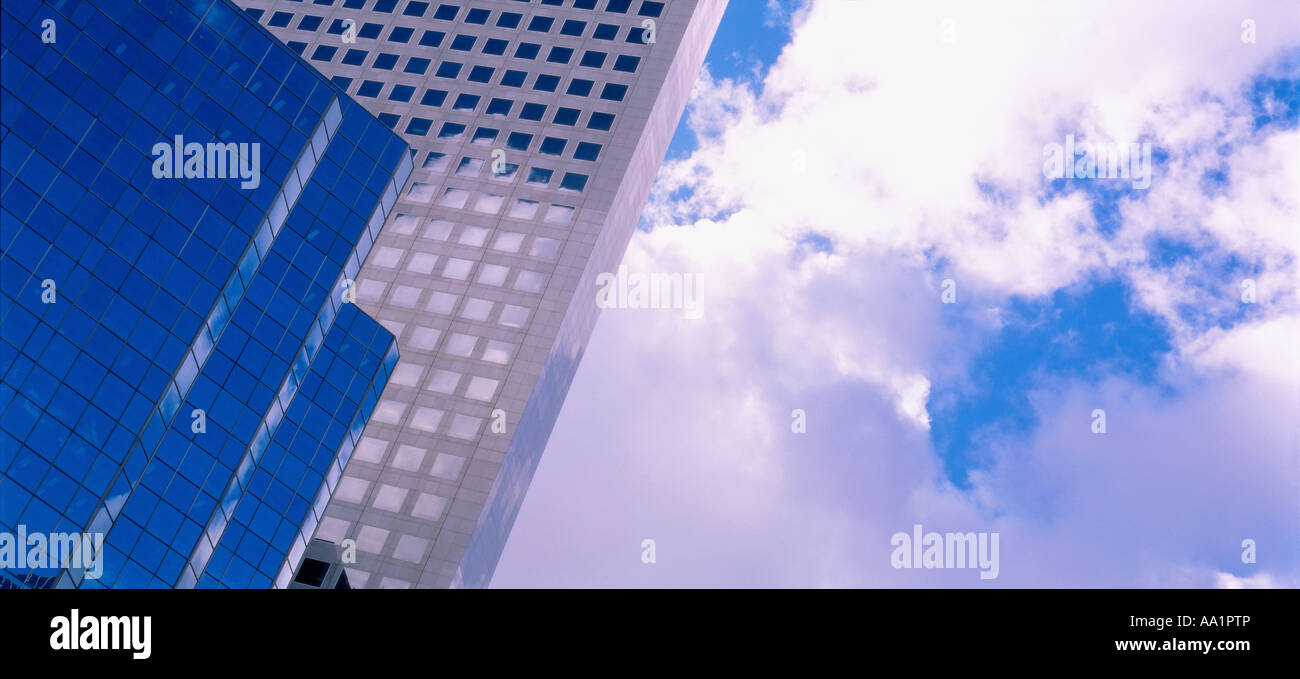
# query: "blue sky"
747,43
824,197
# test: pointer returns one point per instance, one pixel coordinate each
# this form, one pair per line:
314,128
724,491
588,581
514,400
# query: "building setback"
538,127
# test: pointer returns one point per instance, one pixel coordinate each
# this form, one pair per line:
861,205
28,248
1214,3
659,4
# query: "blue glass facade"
181,371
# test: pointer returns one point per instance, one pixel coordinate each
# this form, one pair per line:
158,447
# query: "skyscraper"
538,128
185,205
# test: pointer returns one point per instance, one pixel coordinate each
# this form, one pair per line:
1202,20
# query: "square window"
600,121
370,30
465,102
389,498
405,224
454,198
406,373
498,352
546,248
519,141
626,63
424,338
506,172
416,65
532,112
508,241
489,203
324,53
485,135
573,181
477,16
560,55
420,192
465,426
419,126
369,88
530,281
386,257
584,4
422,263
426,419
539,176
433,98
558,214
448,69
651,8
481,74
469,167
385,6
513,78
495,46
493,274
429,507
499,106
513,316
592,59
442,302
509,19
527,50
385,61
618,6
473,236
552,146
280,19
605,32
437,162
400,34
541,24
460,344
524,209
481,388
546,83
573,27
404,296
432,38
342,82
438,229
389,119
463,43
309,22
458,269
566,116
476,309
443,381
579,87
355,57
613,92
416,8
451,131
446,12
587,151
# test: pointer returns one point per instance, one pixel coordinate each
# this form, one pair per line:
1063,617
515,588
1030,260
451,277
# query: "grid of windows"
464,40
524,122
159,333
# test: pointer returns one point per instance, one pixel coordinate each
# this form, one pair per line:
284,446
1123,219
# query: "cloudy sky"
839,161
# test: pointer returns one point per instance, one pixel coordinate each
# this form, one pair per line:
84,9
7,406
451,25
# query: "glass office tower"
539,126
186,205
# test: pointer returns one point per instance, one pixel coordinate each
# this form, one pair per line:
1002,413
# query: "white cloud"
920,160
